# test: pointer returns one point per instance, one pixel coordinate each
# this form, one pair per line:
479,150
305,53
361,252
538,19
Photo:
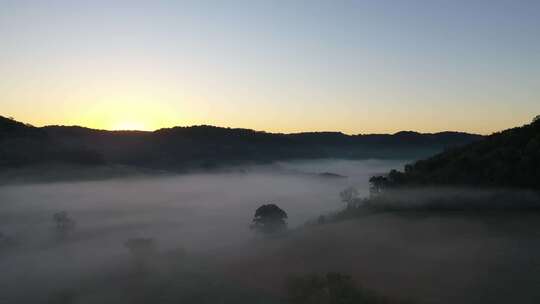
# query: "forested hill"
510,158
203,146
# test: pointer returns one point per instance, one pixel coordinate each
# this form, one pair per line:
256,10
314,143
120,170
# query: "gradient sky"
352,66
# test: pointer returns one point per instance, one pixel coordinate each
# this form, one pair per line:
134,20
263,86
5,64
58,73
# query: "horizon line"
239,128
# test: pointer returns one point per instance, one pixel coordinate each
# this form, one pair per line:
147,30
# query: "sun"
129,125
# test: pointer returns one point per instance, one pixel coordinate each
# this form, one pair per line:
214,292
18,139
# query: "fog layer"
199,213
195,230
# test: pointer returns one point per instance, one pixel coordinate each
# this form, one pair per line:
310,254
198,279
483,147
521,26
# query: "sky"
376,66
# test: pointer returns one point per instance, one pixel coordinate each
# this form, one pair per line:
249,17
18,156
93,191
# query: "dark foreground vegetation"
202,147
332,288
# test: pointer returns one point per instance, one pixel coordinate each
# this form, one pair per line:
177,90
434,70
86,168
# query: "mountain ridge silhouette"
204,146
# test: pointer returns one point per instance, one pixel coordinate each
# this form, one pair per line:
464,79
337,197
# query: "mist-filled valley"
269,152
195,213
194,231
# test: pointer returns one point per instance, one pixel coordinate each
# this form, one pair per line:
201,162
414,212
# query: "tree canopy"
509,159
269,218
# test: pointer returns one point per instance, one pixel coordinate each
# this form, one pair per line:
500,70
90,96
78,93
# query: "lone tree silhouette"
269,219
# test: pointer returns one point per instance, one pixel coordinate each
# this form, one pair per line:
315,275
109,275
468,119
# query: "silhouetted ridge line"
204,146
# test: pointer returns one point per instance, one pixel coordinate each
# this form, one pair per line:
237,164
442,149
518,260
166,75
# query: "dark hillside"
509,158
207,147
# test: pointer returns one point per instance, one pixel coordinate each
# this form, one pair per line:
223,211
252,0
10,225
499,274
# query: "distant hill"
205,147
510,158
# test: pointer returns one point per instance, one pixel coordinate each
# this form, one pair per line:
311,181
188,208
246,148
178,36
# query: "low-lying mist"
196,213
187,238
